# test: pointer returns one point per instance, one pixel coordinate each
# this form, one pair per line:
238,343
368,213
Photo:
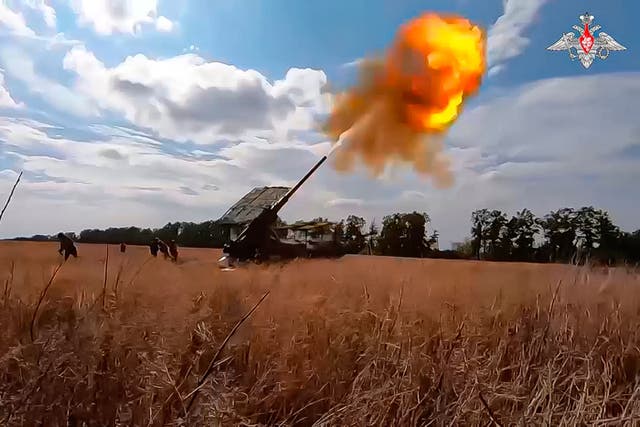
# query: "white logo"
586,47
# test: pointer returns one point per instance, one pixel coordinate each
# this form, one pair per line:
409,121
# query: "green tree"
405,234
496,222
393,230
353,238
560,232
524,226
480,221
372,237
586,220
169,232
608,234
629,246
466,249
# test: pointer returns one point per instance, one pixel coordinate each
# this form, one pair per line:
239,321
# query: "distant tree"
353,238
480,221
507,240
496,223
560,232
372,237
417,241
393,230
205,234
432,242
524,226
629,246
586,220
608,238
466,249
405,234
169,232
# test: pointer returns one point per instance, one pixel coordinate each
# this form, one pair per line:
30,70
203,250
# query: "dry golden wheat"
357,341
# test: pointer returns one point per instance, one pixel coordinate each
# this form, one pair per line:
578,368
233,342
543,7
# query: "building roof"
250,206
303,225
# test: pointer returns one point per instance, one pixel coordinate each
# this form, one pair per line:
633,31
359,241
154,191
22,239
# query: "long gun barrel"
270,214
283,201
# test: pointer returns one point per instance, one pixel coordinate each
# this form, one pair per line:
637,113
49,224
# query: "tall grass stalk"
4,208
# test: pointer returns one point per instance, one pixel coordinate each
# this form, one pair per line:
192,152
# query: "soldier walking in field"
173,250
67,247
153,247
163,248
123,248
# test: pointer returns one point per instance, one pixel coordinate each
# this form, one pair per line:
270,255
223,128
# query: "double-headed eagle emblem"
584,46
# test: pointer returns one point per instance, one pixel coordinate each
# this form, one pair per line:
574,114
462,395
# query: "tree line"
565,235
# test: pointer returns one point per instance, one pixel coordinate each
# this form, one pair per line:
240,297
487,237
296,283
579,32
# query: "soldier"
153,247
123,247
173,250
163,248
67,246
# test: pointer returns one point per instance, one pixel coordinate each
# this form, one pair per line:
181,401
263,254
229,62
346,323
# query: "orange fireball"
415,91
435,63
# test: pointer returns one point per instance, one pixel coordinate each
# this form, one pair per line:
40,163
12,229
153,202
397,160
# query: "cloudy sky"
140,112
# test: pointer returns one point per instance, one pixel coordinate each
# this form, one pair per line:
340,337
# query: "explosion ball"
406,100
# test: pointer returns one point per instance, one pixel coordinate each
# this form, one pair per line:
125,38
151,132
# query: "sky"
144,112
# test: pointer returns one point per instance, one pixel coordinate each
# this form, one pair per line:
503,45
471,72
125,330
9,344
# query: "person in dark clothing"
67,247
153,247
123,247
163,248
173,250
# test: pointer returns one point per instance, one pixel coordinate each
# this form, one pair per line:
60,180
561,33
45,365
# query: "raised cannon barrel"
258,237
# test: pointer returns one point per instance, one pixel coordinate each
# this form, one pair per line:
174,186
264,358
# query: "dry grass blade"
10,196
138,271
221,348
448,356
106,272
43,294
489,411
8,283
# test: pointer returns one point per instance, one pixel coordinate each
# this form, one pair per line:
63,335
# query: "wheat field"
358,341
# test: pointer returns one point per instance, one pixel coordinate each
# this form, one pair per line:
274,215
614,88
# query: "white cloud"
48,13
6,100
18,23
188,98
345,203
354,63
125,179
20,66
191,48
505,38
496,69
13,21
164,24
120,16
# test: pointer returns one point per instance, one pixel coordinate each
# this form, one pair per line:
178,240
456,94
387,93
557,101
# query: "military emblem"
584,46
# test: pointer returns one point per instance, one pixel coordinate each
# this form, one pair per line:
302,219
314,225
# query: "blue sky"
145,112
